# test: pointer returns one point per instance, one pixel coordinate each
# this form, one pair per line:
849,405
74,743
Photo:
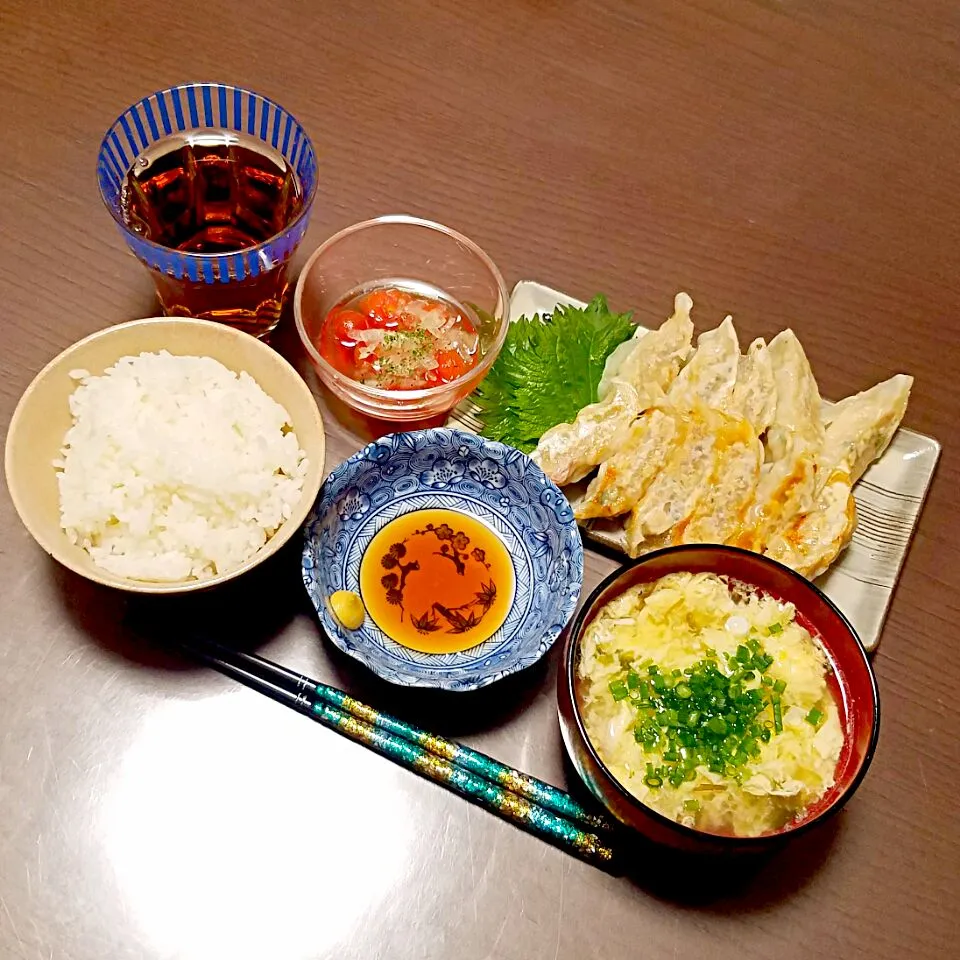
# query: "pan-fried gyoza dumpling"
674,492
650,361
569,451
720,511
702,388
796,420
709,378
754,395
788,479
812,541
785,490
859,430
700,391
623,479
749,406
636,376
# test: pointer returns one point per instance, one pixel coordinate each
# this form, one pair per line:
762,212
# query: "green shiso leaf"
548,370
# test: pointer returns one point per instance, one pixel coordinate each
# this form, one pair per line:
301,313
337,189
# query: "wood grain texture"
788,162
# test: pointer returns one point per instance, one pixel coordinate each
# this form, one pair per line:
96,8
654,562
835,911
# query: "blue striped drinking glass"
211,187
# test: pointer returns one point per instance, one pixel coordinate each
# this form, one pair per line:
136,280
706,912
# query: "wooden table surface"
788,162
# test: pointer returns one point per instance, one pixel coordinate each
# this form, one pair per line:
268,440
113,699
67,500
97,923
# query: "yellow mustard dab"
348,608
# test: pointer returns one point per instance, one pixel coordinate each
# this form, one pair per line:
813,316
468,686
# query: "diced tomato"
338,339
345,324
384,307
397,361
451,365
406,321
332,351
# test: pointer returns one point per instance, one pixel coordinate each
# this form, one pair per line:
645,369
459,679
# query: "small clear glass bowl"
401,249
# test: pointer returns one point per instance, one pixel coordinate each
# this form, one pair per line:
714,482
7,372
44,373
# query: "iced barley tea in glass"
215,212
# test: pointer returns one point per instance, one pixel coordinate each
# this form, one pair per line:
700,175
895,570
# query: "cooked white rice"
175,467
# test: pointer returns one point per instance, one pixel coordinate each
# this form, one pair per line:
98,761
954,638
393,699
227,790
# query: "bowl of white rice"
165,455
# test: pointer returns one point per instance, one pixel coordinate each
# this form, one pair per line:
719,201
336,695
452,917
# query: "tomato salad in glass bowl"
401,317
399,339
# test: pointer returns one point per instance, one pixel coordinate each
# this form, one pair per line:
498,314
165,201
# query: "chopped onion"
431,318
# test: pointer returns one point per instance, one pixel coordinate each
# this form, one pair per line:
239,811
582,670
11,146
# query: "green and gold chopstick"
544,794
530,815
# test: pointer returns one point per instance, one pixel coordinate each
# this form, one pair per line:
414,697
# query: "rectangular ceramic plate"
889,499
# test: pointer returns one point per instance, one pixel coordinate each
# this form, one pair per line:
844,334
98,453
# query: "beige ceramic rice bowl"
42,418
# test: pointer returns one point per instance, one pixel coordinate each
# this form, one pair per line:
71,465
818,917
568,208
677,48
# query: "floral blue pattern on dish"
447,469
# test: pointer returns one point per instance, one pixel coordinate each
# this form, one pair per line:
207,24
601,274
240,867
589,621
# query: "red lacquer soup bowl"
851,681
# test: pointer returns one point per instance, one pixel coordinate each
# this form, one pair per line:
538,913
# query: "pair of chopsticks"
531,804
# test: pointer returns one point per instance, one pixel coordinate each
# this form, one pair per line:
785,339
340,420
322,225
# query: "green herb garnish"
715,714
618,689
548,371
814,717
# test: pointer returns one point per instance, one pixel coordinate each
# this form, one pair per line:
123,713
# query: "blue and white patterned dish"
451,469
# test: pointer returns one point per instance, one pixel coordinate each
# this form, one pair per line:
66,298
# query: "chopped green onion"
652,779
814,717
619,689
703,715
775,628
